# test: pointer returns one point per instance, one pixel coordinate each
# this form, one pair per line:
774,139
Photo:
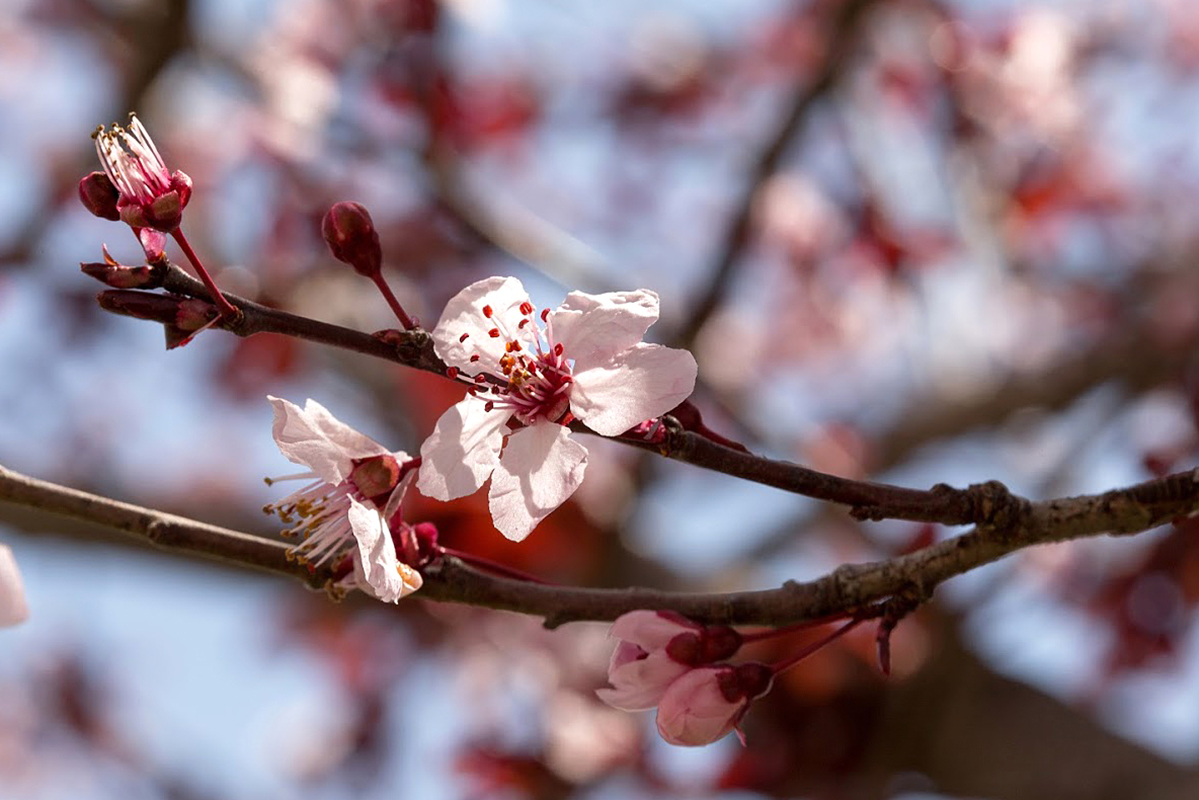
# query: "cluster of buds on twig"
666,660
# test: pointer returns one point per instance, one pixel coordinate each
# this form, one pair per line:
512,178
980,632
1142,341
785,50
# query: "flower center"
532,379
320,510
132,161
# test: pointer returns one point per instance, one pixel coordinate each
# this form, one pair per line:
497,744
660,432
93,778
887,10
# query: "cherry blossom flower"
13,609
150,196
657,647
705,704
356,489
584,360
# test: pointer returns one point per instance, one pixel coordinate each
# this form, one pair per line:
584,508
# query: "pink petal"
379,571
645,381
463,314
593,328
316,439
541,466
13,608
693,711
462,450
641,683
649,629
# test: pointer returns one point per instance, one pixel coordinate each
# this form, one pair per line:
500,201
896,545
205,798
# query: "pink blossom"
533,374
706,703
657,647
357,487
13,608
150,196
641,669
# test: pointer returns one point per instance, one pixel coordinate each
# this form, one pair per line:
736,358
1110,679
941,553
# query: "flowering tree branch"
904,581
867,500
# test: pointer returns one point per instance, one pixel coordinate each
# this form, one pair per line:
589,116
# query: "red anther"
451,372
464,337
487,311
514,344
545,312
494,333
526,307
480,378
489,405
474,358
558,348
522,323
508,346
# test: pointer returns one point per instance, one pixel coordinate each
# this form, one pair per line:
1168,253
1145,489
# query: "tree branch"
848,589
942,504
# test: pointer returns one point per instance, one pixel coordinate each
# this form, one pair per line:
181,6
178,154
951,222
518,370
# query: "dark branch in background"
844,31
867,500
909,579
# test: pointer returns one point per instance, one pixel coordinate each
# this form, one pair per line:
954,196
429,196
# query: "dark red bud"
685,649
120,276
743,681
352,238
143,305
718,643
99,196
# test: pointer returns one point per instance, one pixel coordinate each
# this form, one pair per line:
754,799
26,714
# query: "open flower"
13,608
150,196
345,511
657,647
534,373
706,703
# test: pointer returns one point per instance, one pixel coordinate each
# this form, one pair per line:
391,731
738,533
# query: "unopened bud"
99,196
352,238
120,276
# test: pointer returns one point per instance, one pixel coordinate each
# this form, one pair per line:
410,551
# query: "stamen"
487,311
494,333
451,372
464,337
526,307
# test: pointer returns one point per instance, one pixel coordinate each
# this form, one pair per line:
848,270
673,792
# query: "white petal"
540,468
13,608
650,630
315,438
643,382
593,328
379,571
462,450
464,314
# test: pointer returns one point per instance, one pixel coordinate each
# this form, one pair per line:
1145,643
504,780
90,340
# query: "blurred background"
914,240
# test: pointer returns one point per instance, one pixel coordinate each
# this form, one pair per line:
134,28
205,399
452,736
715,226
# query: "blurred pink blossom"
13,609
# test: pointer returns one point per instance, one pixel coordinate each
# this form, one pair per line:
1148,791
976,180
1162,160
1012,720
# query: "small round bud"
99,196
352,238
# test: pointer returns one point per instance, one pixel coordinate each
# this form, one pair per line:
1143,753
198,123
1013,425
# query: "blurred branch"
736,238
851,588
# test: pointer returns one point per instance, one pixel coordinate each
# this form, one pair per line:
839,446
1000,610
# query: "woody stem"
390,297
228,311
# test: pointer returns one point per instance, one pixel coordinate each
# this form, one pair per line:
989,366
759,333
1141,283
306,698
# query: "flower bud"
120,276
352,238
99,196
